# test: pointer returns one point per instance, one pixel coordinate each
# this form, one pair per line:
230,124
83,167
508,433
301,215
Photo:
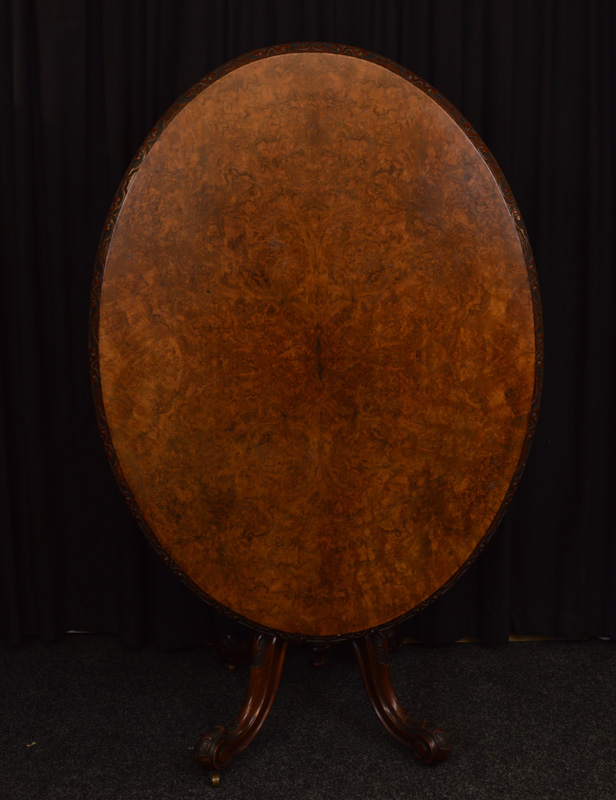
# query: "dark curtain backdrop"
83,82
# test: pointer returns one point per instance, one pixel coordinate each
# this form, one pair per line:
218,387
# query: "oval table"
316,355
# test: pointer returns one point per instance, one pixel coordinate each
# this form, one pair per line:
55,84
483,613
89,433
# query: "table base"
216,749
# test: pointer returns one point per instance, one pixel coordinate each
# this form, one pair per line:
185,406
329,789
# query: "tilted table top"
316,340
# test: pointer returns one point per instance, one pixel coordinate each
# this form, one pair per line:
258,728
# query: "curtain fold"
81,85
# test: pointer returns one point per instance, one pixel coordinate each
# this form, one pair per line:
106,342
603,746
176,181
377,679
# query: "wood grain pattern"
317,343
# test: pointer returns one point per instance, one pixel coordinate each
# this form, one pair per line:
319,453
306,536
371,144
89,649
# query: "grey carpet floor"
84,718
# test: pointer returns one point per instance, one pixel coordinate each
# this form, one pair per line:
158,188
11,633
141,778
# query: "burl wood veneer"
316,331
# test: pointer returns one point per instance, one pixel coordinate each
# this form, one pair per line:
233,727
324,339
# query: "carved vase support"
216,748
427,741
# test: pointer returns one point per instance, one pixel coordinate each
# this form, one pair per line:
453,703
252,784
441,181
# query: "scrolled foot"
213,751
429,743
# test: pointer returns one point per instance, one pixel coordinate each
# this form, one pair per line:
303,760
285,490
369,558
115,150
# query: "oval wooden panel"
316,340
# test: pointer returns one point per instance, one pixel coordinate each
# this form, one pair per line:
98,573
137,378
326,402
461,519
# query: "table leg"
215,749
427,741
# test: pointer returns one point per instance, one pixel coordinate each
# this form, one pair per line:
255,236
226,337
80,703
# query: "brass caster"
215,778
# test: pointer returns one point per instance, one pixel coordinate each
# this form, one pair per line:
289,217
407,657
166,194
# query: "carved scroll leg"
427,741
215,749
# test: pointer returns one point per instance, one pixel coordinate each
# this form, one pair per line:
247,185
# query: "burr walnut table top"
315,346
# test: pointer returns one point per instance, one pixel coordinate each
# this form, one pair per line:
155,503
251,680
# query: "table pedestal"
216,748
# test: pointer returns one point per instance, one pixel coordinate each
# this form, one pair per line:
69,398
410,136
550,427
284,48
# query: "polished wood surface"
316,337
